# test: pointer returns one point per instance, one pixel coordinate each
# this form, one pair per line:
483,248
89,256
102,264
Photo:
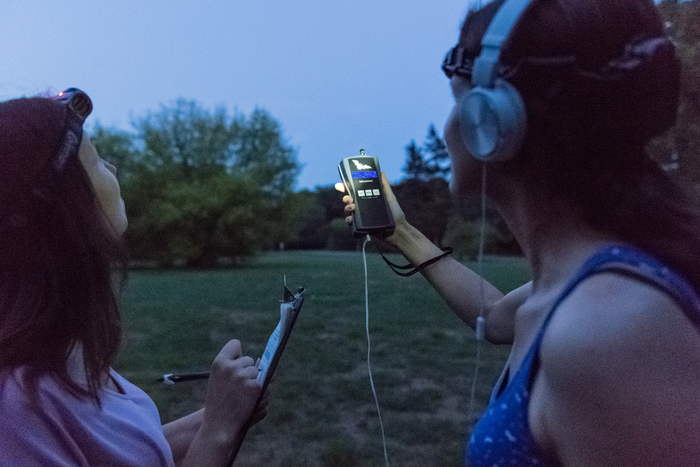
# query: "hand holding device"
396,215
361,176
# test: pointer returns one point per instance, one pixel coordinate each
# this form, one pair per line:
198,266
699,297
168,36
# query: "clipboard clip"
290,296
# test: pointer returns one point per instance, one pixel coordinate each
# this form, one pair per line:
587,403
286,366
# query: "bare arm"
464,291
619,381
232,392
181,432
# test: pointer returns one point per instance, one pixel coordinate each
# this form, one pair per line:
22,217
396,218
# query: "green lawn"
322,410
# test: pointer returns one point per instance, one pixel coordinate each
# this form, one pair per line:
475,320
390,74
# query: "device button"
361,192
375,192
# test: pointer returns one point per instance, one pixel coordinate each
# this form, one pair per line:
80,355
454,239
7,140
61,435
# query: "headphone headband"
486,64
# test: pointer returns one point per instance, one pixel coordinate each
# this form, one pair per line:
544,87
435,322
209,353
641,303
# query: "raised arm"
464,291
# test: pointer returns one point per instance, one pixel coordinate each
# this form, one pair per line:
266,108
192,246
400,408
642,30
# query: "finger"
232,350
347,199
246,363
251,372
388,192
349,208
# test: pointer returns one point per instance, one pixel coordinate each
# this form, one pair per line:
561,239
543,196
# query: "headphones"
492,117
492,114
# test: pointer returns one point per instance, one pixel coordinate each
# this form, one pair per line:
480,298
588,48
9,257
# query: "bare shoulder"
615,320
620,371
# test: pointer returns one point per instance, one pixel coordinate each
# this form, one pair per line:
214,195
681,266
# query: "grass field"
322,410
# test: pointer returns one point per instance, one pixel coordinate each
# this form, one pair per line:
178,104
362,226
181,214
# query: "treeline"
426,200
205,187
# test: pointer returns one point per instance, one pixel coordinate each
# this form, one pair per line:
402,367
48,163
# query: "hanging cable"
369,368
480,326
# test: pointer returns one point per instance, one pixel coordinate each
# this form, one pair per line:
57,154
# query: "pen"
178,378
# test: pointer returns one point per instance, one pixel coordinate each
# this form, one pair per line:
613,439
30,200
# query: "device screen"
365,174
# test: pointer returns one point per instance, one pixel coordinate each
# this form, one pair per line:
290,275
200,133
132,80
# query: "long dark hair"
59,258
590,119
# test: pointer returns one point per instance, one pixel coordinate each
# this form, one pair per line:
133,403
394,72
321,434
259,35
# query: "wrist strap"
396,268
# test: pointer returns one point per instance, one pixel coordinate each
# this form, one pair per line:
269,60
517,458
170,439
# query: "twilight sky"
337,75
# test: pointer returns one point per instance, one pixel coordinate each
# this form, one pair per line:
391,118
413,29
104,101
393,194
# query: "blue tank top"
502,436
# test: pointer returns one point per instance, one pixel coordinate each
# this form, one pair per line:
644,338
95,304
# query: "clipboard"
290,306
289,310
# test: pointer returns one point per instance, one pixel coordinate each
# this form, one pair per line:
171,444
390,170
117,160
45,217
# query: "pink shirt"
66,431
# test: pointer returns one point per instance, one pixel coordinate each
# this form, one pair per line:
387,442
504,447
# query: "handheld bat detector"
362,179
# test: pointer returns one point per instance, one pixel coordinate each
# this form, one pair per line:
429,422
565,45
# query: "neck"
553,237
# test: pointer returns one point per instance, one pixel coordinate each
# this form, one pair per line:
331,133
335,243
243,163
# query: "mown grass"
322,410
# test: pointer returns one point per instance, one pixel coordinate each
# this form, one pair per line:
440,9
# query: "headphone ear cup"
492,122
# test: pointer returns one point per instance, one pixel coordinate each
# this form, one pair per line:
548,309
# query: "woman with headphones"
554,104
61,220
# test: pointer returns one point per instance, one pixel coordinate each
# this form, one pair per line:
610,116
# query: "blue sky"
337,75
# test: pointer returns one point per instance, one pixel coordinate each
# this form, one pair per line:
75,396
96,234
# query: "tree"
331,203
438,163
203,184
186,141
319,221
118,148
430,161
427,205
338,233
416,166
304,227
262,154
678,149
263,157
424,194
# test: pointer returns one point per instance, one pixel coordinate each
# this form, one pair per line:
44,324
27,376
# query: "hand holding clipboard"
289,310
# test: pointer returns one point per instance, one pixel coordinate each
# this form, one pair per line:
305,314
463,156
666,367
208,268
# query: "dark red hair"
58,253
599,79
